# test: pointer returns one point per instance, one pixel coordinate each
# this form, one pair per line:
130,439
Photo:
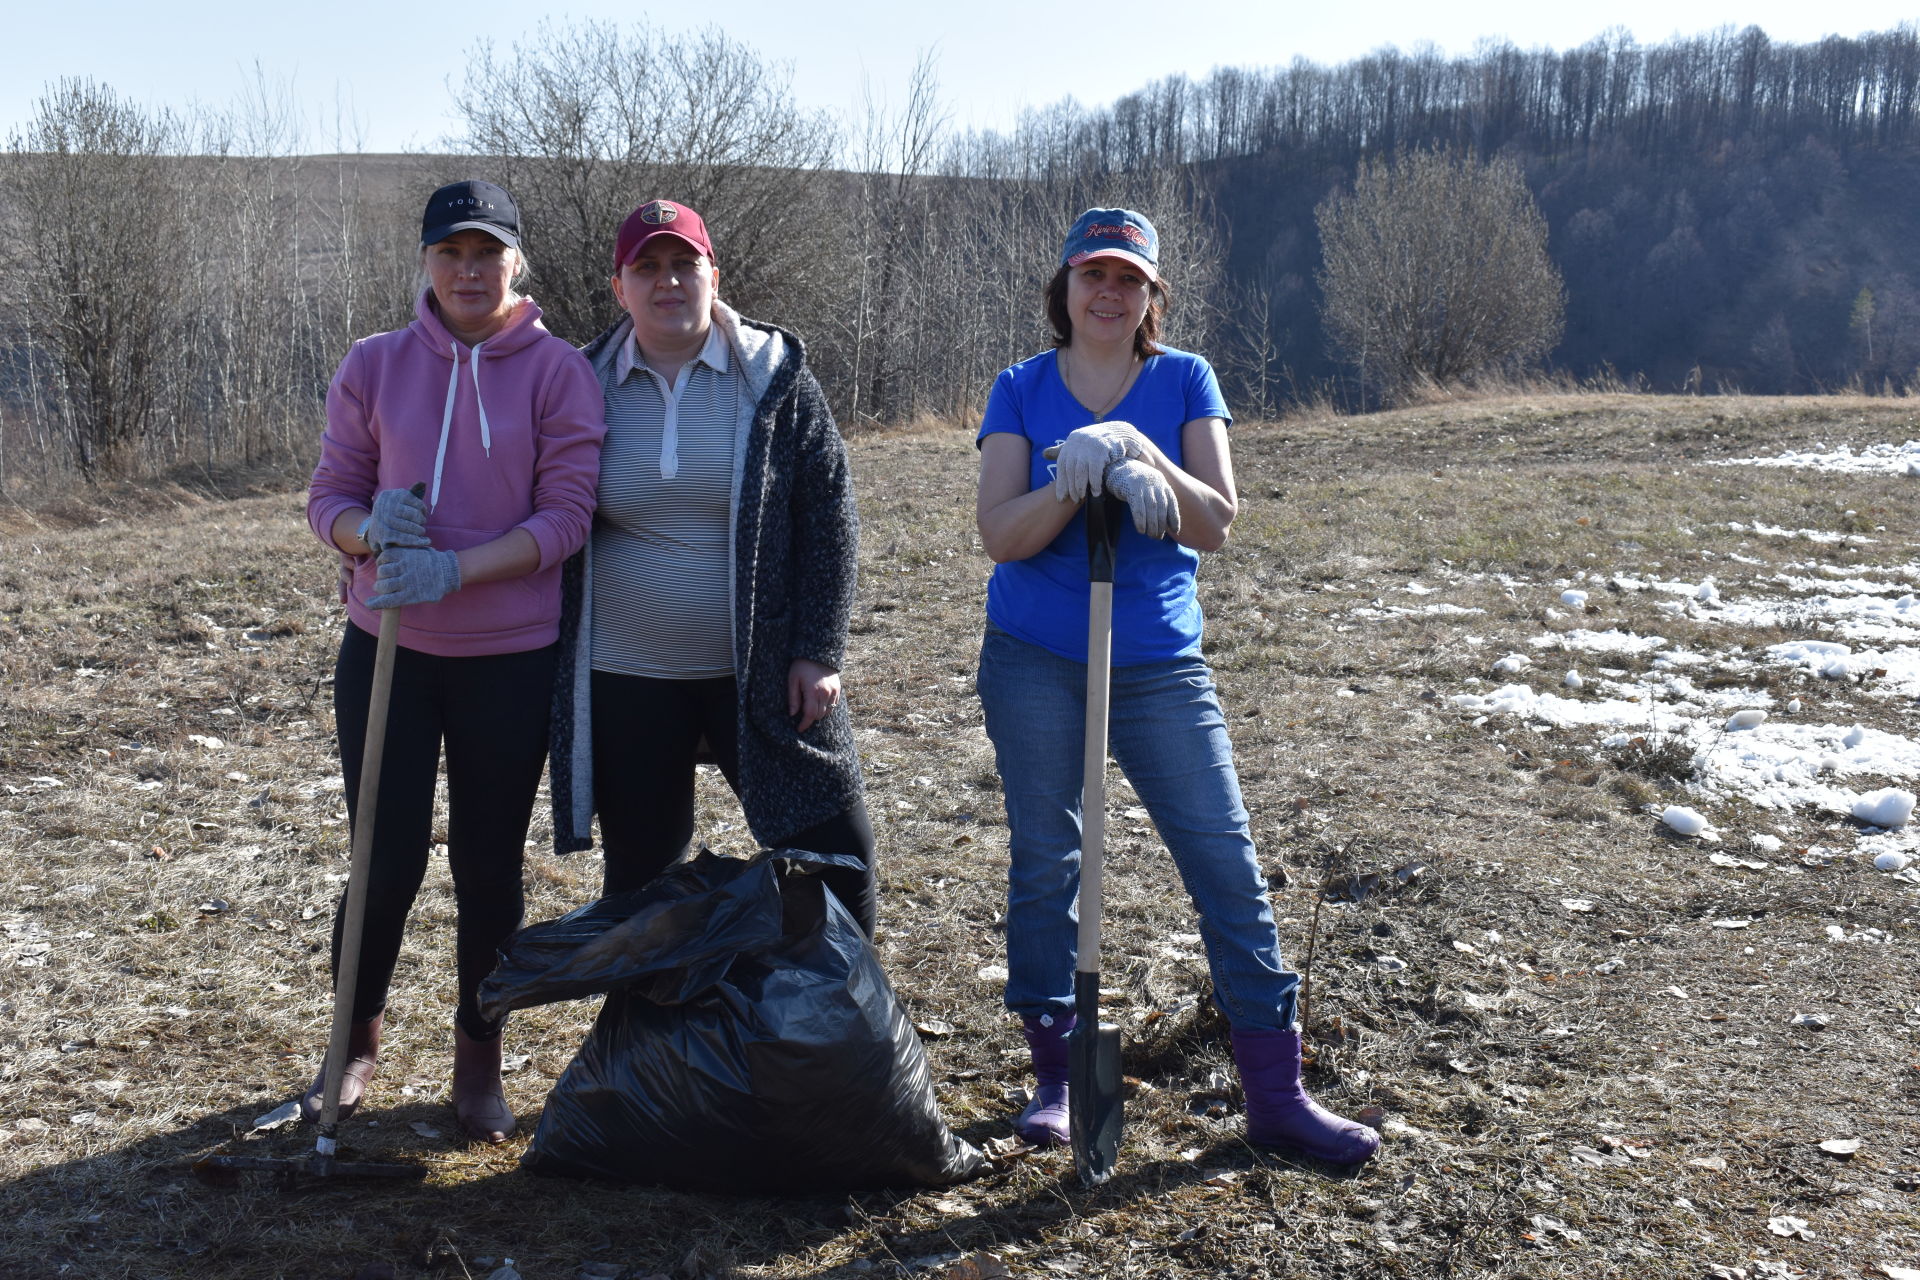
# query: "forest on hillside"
1726,213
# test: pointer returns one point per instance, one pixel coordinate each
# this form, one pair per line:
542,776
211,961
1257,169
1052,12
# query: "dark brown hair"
1146,339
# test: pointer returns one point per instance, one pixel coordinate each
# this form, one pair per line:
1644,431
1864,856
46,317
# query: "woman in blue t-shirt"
1147,423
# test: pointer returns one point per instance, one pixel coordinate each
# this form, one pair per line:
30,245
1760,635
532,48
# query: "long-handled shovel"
321,1163
1093,1060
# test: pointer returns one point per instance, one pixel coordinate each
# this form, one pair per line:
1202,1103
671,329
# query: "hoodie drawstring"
446,419
486,435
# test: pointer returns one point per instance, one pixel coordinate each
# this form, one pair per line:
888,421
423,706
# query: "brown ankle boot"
478,1099
363,1055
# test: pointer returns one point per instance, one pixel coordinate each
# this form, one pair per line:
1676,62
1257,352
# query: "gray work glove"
399,519
1148,495
1083,458
414,575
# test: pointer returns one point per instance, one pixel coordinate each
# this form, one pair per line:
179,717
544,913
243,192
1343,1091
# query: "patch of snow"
1871,619
1424,611
1780,766
1622,582
1821,537
1774,765
1885,459
1611,641
1839,582
1681,820
1821,657
1562,713
1890,807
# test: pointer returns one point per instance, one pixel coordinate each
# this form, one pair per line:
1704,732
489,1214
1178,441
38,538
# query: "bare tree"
1249,360
895,150
583,122
91,194
1435,269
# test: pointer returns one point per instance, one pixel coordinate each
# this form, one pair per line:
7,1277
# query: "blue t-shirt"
1043,599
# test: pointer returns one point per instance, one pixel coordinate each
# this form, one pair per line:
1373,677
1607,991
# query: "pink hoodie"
506,435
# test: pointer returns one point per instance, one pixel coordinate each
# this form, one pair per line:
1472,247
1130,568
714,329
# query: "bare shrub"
95,280
1435,269
176,290
582,122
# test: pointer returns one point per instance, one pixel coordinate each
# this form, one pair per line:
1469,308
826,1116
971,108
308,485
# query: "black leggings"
646,732
491,713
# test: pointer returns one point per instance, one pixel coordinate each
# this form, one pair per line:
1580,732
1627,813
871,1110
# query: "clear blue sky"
390,64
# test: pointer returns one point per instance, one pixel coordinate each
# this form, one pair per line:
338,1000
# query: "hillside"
1729,214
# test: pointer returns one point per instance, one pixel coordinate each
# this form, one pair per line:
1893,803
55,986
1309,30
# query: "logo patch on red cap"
658,213
1117,231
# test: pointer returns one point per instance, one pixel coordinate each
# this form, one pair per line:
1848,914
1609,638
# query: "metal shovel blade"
1093,1089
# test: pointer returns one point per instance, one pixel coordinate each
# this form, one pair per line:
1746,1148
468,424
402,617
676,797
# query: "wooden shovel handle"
354,913
1103,532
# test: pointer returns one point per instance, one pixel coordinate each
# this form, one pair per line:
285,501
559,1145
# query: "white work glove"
399,519
1083,458
1148,495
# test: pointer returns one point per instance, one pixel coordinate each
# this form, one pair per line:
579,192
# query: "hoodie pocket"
505,605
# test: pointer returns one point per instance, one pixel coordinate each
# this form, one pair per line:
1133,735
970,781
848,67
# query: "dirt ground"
1581,1070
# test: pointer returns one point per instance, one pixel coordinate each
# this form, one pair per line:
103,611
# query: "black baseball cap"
481,206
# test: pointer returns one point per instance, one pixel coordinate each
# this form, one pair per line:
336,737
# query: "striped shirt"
661,604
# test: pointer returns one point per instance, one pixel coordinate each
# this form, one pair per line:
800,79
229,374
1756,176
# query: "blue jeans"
1169,737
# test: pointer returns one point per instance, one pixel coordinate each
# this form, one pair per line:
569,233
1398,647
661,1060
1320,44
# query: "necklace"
1126,384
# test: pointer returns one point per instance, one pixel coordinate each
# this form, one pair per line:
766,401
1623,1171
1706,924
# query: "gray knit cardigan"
793,558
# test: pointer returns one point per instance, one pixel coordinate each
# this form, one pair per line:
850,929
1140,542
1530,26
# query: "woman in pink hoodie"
502,422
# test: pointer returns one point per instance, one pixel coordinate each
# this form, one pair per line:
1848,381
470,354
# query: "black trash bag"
749,1041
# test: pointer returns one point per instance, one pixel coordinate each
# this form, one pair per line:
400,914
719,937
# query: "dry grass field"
1582,1070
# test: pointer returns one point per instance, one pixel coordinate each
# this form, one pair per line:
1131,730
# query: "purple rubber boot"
1044,1121
1279,1112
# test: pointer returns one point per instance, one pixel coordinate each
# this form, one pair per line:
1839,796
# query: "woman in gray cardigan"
712,601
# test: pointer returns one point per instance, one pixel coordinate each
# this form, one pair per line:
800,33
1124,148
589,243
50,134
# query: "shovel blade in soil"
1093,1086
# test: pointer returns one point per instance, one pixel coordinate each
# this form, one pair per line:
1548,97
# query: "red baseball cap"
659,218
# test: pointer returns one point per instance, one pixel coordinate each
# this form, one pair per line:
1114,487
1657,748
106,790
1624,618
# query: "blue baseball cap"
1113,233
